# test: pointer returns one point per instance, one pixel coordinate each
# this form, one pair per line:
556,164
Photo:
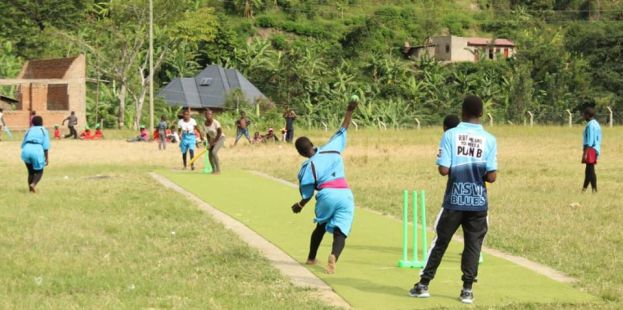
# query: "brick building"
52,88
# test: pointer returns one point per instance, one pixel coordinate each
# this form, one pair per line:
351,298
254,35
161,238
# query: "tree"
119,39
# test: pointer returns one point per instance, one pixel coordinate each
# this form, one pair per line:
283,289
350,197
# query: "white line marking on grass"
518,260
298,275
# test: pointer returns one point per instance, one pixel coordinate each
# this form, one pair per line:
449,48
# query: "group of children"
287,133
87,134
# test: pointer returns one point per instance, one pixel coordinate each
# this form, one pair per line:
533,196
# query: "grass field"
56,242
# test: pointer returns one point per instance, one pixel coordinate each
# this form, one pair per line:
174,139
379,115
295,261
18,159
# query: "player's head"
472,107
589,113
209,115
243,114
450,122
37,121
73,113
304,146
1,110
186,115
163,118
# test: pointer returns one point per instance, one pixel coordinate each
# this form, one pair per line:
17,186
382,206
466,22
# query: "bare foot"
331,264
32,188
311,262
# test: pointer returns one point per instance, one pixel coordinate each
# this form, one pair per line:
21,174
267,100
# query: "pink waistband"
337,183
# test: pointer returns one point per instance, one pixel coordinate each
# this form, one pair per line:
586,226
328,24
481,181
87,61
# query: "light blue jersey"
36,141
592,136
324,172
470,152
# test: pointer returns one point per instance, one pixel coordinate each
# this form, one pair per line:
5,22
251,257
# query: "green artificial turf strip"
366,274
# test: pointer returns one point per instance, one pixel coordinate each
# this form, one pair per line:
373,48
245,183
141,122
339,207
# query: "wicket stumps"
415,262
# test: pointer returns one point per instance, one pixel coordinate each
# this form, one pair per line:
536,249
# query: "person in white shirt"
216,140
186,129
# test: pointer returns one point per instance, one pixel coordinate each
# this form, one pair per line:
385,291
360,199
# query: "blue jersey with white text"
470,152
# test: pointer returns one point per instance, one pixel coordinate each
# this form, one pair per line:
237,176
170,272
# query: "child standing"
468,156
188,141
57,132
162,133
591,148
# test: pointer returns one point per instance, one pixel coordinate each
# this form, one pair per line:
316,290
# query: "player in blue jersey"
468,156
592,148
35,148
323,173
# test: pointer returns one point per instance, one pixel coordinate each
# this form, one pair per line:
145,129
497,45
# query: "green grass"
531,216
123,242
531,212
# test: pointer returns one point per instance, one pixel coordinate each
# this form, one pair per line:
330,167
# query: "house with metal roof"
209,89
460,49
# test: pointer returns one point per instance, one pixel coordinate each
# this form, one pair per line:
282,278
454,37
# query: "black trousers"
590,177
339,241
72,132
290,135
475,228
34,176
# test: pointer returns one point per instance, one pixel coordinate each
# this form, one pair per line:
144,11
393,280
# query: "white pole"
381,124
418,123
570,118
531,118
151,66
326,128
490,119
355,124
611,122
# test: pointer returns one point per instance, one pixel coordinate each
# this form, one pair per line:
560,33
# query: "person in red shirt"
57,132
86,134
98,133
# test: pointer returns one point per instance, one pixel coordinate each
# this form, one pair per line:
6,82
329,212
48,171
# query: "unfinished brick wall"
53,102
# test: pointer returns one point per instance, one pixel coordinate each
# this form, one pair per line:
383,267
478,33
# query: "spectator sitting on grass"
86,134
257,138
142,137
98,133
172,135
270,136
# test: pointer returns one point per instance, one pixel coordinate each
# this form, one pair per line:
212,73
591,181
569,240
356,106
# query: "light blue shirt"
37,135
470,152
592,136
326,165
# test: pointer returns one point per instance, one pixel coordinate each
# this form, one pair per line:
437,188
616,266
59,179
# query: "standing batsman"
468,156
324,172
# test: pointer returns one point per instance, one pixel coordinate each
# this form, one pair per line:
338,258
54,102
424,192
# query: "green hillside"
312,55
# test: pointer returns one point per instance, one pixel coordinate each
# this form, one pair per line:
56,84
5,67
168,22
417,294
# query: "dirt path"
298,275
